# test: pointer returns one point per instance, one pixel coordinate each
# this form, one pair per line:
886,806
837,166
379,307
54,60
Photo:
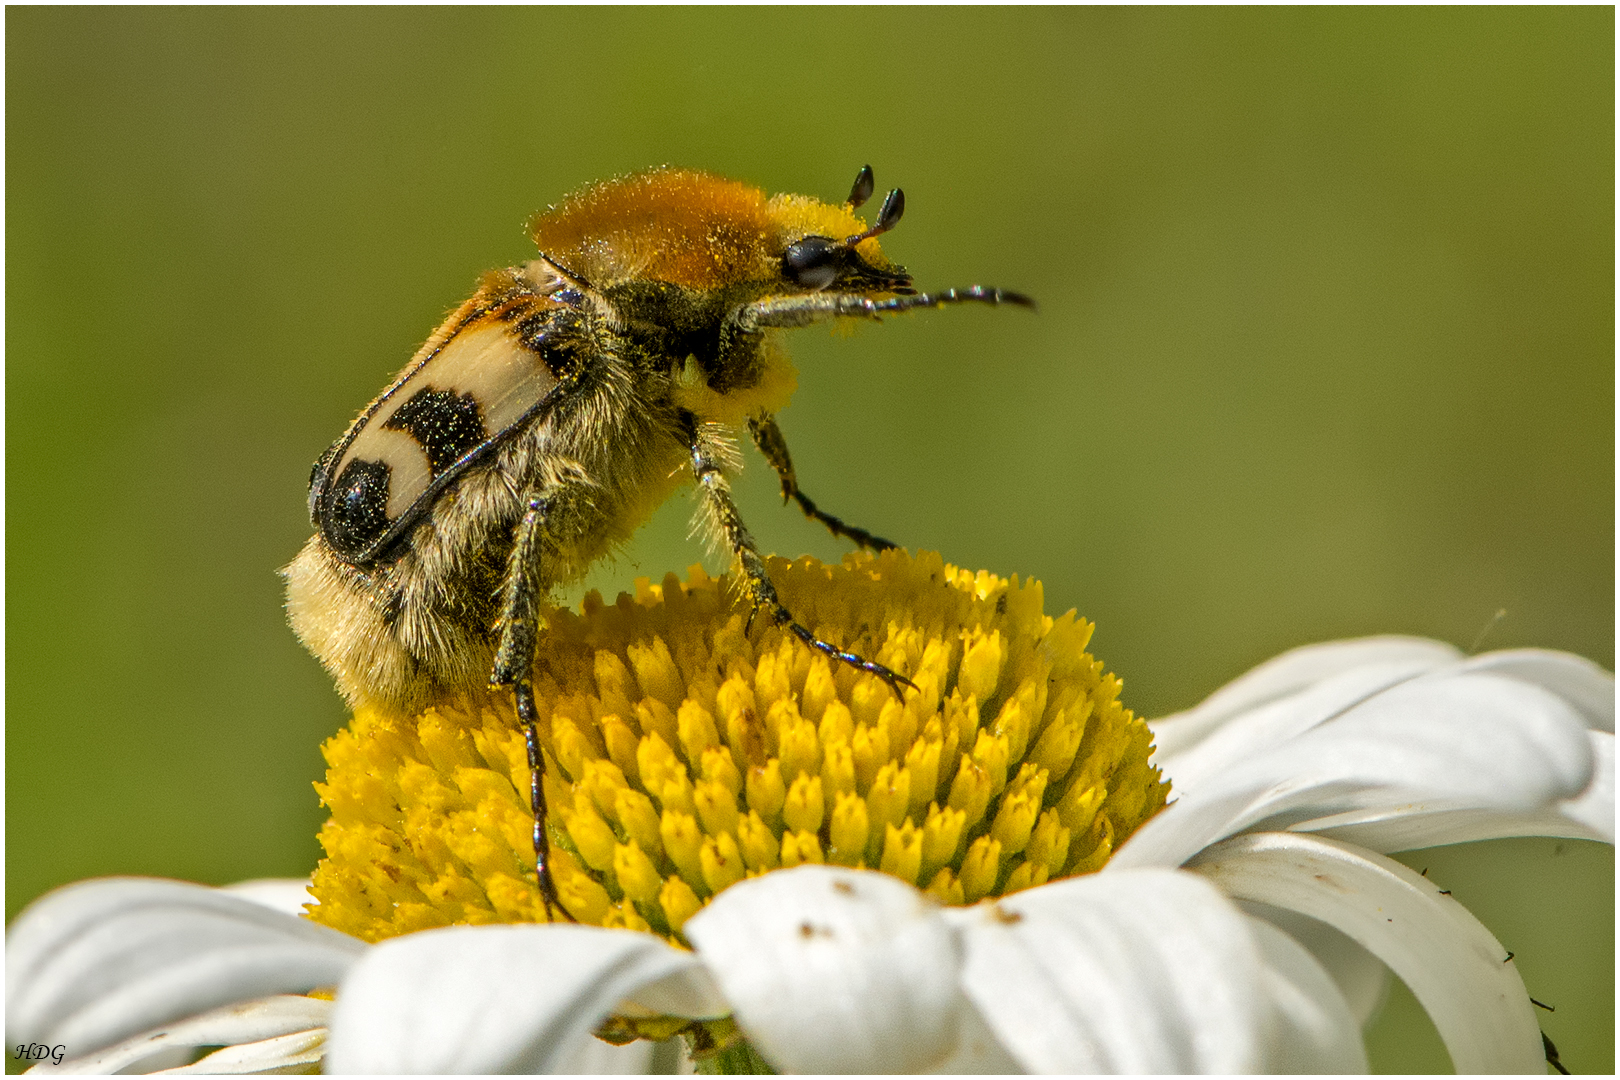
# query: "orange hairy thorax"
685,227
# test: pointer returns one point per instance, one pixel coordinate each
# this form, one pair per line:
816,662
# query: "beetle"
555,409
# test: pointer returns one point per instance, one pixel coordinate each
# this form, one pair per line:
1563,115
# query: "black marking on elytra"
356,510
562,360
352,545
445,423
319,478
358,551
553,336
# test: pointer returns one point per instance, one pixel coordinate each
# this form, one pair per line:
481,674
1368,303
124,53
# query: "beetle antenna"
981,294
861,190
889,214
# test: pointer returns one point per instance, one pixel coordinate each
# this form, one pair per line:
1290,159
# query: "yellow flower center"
685,752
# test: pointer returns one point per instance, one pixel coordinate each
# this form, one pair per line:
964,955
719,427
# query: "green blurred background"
1325,349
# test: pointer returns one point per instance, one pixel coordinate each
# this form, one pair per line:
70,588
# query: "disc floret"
685,751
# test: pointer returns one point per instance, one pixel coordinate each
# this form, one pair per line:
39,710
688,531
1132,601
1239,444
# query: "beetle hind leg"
519,628
728,525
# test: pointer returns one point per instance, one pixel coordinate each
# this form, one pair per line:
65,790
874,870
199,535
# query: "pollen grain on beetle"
685,752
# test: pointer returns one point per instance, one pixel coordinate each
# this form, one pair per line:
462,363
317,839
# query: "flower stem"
737,1059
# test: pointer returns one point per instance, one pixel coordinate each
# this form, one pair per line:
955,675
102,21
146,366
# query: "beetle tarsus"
523,693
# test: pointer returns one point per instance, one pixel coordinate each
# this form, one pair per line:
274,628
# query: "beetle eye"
812,262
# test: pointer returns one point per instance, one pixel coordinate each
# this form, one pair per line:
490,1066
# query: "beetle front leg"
768,437
725,521
519,628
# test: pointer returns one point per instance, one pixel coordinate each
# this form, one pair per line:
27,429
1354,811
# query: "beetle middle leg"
519,627
722,511
768,437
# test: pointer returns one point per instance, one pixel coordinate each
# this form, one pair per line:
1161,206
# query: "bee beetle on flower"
552,412
903,823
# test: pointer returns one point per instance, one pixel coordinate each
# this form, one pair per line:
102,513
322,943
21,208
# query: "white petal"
1417,825
1588,816
1452,964
594,1057
1314,1031
978,1051
97,962
299,1052
283,1016
480,999
1270,726
1148,971
688,990
1585,685
1288,674
1361,977
1451,741
289,895
1594,807
832,970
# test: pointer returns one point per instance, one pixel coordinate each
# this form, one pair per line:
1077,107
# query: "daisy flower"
785,866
